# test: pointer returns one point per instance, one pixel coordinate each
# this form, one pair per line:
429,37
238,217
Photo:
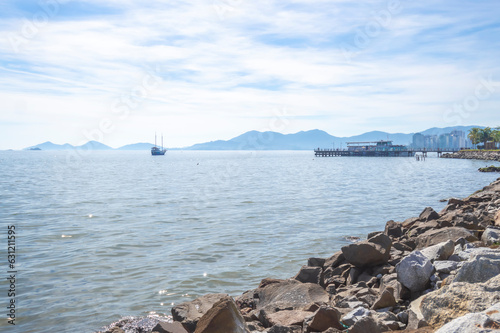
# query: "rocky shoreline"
438,272
474,155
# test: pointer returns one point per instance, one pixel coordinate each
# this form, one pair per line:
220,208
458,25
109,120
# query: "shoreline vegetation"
438,272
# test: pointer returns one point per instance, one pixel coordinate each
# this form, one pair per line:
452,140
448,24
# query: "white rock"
414,271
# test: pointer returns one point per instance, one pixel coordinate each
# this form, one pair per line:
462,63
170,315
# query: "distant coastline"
255,140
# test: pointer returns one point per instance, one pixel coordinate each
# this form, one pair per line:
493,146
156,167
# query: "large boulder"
458,299
480,267
441,251
189,313
414,271
372,252
436,236
224,316
479,322
290,295
491,235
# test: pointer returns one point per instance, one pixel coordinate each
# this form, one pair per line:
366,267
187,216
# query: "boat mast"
161,141
155,139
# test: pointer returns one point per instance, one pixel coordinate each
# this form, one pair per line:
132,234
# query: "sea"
108,234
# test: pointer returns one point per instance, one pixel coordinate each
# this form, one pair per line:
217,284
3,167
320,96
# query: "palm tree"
475,135
487,135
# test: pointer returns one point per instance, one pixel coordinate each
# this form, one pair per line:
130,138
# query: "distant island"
255,140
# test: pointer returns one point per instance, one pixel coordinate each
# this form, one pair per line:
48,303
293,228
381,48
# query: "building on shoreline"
453,140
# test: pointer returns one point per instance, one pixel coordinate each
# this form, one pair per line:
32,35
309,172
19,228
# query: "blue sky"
117,71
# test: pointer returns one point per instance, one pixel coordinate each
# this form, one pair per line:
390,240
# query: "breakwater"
474,155
438,272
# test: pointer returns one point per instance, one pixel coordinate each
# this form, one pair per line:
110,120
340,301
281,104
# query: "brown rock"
190,312
385,300
497,219
309,275
174,327
433,237
335,260
323,319
393,229
288,317
289,294
372,252
429,214
222,317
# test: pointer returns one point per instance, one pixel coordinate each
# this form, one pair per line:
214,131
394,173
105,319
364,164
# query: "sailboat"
158,151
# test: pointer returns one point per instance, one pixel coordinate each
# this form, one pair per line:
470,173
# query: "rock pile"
439,271
474,155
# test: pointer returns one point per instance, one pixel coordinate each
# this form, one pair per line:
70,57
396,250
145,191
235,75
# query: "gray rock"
284,329
491,235
458,299
368,324
441,251
479,268
414,271
372,252
445,266
316,262
288,317
393,229
224,316
482,322
189,313
355,315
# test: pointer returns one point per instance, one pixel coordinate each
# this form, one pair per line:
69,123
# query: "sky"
117,71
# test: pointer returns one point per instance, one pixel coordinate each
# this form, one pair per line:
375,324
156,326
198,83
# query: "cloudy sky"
201,70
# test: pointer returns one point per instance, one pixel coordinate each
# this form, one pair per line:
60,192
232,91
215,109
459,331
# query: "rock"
372,252
174,327
368,324
355,315
190,312
497,219
316,262
393,229
335,260
491,235
479,268
475,322
441,251
416,319
385,300
414,271
224,316
391,280
454,201
458,299
289,294
324,318
428,214
436,236
284,329
309,274
445,266
288,317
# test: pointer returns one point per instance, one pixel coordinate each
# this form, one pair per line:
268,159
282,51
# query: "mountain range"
255,140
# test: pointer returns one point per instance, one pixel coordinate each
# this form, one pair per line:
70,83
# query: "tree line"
483,135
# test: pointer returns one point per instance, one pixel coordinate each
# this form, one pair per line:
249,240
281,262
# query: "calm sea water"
124,233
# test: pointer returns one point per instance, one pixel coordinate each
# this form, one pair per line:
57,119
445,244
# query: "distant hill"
137,146
255,140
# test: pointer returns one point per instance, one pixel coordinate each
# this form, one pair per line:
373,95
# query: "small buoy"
91,216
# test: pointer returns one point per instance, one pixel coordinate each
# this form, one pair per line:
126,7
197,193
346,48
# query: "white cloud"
225,65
